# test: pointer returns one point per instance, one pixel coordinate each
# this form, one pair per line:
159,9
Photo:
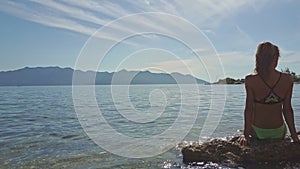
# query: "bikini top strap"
274,84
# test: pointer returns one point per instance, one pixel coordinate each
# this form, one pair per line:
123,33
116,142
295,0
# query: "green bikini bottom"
270,133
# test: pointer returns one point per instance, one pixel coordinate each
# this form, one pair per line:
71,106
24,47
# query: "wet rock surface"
230,151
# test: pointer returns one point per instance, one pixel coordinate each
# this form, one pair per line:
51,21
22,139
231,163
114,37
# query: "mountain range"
63,76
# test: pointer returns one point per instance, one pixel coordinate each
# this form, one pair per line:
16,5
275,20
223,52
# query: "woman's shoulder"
250,78
287,77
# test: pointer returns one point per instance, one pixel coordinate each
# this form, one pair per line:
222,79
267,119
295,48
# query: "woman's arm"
289,113
248,112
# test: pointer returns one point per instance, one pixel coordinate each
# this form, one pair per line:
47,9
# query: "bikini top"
272,97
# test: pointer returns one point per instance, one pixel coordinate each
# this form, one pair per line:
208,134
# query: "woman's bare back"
266,115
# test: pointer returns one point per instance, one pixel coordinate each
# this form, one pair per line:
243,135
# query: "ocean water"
39,127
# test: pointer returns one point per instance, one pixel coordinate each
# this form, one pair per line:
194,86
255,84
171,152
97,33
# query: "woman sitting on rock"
268,99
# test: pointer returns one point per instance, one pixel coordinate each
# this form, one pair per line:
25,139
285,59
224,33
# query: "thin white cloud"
199,50
24,12
103,8
68,14
246,39
212,65
209,13
71,12
235,63
289,56
184,65
208,31
210,69
236,56
87,16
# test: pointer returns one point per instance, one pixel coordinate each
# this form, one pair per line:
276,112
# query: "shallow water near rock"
39,128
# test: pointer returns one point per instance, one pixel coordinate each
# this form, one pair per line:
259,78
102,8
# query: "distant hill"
63,76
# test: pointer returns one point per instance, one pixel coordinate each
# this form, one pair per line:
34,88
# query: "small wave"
69,136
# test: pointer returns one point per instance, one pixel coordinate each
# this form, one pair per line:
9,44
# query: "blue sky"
52,33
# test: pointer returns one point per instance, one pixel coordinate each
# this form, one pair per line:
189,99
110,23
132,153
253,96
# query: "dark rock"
230,151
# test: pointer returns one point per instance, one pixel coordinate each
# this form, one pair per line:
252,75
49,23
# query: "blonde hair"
266,53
